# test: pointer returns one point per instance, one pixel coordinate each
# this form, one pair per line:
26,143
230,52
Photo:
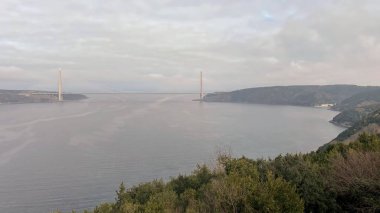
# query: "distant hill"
368,124
291,95
361,113
33,96
361,100
359,106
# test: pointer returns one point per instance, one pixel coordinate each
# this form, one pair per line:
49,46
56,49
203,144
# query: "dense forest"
341,178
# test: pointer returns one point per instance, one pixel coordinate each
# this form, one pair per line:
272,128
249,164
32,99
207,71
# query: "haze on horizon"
161,45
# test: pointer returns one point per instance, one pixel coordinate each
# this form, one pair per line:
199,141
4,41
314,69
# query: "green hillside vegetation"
357,107
360,113
347,118
369,123
342,178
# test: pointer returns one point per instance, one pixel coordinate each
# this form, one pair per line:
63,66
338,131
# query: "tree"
277,195
162,202
308,179
121,197
356,180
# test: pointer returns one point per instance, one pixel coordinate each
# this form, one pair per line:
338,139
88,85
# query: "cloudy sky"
162,45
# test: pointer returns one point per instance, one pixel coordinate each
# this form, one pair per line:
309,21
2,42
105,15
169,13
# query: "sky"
162,45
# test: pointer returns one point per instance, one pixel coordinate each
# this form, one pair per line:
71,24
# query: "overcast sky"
162,45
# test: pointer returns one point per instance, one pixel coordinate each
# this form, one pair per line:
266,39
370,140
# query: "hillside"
356,103
367,124
291,95
360,100
32,96
357,107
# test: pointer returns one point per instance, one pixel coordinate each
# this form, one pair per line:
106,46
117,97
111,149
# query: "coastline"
34,96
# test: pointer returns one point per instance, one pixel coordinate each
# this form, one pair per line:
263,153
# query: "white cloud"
154,75
16,73
162,45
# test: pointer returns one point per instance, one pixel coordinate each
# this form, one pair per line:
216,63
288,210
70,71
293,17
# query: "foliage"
306,175
343,177
355,178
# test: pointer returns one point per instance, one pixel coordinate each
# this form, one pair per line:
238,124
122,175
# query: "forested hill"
361,113
369,123
357,107
313,95
363,99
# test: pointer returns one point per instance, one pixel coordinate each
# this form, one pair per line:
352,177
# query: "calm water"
74,155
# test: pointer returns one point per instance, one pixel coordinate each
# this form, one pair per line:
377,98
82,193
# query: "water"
73,155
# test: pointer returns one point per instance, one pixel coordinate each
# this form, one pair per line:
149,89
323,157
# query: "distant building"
325,105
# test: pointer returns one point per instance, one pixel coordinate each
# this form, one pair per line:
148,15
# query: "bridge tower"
60,95
201,87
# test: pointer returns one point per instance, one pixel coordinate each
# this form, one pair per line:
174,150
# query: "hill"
369,123
361,100
357,107
33,96
361,113
357,104
313,95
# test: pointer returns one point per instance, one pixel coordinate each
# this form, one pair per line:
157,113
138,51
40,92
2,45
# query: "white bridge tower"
201,87
60,95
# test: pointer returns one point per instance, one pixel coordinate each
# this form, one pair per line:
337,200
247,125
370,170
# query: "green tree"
121,198
308,179
104,208
163,202
277,195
